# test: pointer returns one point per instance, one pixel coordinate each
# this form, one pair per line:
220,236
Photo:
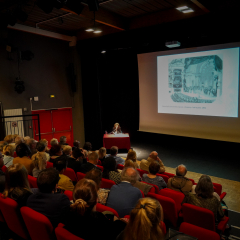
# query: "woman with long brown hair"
132,155
39,163
116,129
145,221
83,220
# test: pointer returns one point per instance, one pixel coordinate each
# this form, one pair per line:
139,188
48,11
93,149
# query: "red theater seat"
106,183
49,165
71,174
218,189
141,172
103,208
154,187
120,166
63,234
101,167
165,178
80,175
4,168
69,194
32,181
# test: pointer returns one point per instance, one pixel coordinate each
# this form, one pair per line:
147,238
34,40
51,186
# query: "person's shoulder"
145,175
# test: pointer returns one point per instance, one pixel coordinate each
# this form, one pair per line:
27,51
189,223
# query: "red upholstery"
201,217
142,193
193,182
12,216
38,225
165,178
101,167
152,190
218,189
15,154
4,168
170,175
99,162
176,196
141,172
198,232
120,166
154,186
71,174
102,208
32,181
63,234
169,208
69,194
80,175
106,183
49,165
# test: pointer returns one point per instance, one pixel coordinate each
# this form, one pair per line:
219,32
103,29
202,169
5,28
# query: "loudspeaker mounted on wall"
72,77
93,5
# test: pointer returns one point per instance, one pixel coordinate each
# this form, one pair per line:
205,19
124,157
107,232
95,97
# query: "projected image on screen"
201,83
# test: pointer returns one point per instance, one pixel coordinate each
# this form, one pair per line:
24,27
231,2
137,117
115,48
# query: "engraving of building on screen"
195,79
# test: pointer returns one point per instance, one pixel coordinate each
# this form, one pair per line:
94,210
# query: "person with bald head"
179,182
123,197
153,156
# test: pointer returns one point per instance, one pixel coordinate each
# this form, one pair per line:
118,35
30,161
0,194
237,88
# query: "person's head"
153,155
87,146
39,160
32,143
26,139
67,150
2,144
102,152
63,139
95,175
60,165
93,158
130,175
19,140
56,150
181,170
23,150
84,197
129,163
1,160
53,142
132,155
45,142
114,150
204,187
76,144
108,166
154,167
144,221
47,180
14,137
16,177
8,150
116,125
9,139
41,147
78,153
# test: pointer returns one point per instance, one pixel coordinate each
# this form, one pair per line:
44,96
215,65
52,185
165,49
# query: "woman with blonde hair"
102,154
132,155
129,163
16,184
39,163
9,139
8,152
94,225
145,221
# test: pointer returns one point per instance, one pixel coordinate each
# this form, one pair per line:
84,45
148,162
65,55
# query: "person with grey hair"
19,140
179,182
54,141
123,197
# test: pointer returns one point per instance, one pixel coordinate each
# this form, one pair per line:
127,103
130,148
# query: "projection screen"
191,92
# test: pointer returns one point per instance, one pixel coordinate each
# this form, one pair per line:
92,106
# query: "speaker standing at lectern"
116,129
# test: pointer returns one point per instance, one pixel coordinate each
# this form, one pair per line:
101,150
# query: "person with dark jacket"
76,160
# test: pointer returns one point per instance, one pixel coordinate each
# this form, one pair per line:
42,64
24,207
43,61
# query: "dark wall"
45,74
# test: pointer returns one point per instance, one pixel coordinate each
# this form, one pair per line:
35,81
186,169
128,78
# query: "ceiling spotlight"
182,8
89,30
173,44
103,51
188,10
185,9
97,31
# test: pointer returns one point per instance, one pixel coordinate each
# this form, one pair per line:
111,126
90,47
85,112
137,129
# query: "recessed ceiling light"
89,30
103,51
97,31
188,10
182,8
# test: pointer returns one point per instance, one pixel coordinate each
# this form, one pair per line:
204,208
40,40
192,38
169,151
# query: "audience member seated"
39,162
67,150
32,146
45,142
2,144
214,193
144,165
179,182
23,152
129,163
53,142
83,220
76,160
19,140
55,152
132,155
26,138
152,177
14,137
87,146
47,201
65,182
8,151
9,139
144,222
63,140
113,153
123,197
76,144
92,162
102,154
110,170
96,176
2,174
17,185
204,198
42,147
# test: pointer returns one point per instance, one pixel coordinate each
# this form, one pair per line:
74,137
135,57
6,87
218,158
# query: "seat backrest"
120,166
176,196
63,234
69,194
218,188
102,208
99,162
106,183
4,168
193,182
169,208
49,165
170,175
32,181
71,174
101,167
80,175
154,186
198,216
15,154
12,216
38,225
141,172
198,232
165,178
